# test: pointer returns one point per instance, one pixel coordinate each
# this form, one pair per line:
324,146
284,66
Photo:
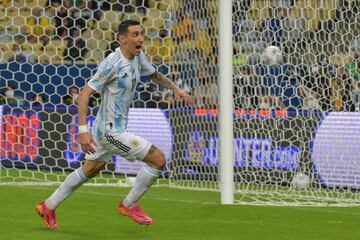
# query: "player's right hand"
87,143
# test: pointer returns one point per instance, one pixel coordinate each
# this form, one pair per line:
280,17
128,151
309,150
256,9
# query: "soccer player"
117,77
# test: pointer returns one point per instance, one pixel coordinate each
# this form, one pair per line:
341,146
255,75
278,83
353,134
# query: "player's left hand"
184,96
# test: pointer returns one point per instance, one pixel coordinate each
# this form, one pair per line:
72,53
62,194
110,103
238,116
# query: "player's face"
132,42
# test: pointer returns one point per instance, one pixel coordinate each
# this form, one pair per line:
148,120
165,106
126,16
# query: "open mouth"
138,48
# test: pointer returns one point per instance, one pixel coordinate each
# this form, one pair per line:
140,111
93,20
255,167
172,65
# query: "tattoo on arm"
163,81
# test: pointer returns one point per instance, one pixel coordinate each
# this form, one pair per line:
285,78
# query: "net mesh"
294,133
295,120
291,144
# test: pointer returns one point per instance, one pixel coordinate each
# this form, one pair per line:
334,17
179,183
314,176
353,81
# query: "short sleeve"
102,76
146,67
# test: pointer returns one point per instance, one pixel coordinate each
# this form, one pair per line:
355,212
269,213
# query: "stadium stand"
43,30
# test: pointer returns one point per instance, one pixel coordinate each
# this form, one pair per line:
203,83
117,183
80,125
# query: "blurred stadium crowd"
319,39
66,31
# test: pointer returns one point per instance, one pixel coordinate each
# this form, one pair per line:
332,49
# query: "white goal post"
226,103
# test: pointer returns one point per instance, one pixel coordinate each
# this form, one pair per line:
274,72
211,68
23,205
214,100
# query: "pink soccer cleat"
135,213
48,216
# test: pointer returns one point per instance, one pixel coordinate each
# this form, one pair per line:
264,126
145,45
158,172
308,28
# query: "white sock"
144,179
71,183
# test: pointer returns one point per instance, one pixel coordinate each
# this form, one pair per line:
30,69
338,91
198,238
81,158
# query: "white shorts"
125,144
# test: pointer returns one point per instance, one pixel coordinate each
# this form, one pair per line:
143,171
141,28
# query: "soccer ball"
300,181
272,55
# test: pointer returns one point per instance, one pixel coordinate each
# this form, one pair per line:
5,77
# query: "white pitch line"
123,195
313,209
326,210
152,198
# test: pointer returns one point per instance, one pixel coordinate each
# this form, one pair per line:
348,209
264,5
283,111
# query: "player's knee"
92,168
156,159
94,172
161,160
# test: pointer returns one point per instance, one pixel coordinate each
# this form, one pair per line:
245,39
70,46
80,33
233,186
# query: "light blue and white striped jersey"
117,78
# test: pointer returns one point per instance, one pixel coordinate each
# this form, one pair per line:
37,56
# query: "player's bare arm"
86,139
167,83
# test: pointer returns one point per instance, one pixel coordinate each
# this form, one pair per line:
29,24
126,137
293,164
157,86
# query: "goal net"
295,128
296,121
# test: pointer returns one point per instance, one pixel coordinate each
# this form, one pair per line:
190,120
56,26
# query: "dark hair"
123,26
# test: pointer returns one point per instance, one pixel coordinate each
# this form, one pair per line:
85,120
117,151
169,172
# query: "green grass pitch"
179,214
